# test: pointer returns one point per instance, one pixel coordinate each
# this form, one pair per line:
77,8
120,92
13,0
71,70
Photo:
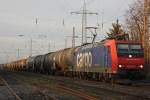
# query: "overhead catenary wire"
68,16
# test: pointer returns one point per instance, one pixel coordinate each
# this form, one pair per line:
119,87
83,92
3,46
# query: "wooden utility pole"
145,36
145,23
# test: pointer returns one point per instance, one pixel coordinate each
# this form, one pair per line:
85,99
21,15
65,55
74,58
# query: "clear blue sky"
18,17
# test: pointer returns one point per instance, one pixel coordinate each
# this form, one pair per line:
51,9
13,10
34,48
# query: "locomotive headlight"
141,66
130,56
120,66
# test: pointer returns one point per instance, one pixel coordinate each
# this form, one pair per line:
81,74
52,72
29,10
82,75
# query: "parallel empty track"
82,95
11,91
103,87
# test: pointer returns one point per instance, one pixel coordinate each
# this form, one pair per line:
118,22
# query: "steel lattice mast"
84,12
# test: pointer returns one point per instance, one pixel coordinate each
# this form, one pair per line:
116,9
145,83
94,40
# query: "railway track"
10,90
102,87
76,87
63,88
120,91
133,83
75,92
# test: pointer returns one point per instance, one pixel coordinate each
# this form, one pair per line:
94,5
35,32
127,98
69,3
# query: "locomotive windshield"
130,49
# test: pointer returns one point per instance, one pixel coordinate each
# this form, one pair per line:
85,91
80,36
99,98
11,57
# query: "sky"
54,24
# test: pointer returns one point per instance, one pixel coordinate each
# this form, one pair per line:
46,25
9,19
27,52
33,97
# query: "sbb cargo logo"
84,59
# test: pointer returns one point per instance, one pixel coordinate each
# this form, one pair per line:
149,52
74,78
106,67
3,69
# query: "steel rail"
75,92
10,89
143,97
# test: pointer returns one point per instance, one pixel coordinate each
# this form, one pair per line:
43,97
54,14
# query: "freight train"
102,60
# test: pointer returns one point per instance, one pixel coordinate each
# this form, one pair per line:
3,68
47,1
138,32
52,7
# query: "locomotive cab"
130,58
130,55
126,56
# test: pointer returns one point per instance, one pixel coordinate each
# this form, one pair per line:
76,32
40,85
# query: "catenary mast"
84,12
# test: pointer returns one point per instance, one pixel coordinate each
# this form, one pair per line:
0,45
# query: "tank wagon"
97,60
20,65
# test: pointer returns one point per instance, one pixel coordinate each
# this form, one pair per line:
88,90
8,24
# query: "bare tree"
134,20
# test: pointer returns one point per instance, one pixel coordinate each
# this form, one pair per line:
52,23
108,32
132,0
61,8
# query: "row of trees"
133,23
133,26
